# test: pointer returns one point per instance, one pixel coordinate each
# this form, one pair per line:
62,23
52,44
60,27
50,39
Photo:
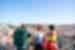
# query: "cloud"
40,20
48,20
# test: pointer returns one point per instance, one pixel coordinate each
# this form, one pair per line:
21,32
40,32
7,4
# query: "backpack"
50,39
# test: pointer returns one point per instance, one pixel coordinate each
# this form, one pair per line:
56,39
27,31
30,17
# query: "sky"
37,11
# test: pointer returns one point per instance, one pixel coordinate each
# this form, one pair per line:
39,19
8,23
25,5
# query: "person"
60,40
20,37
31,42
50,39
38,38
2,42
73,46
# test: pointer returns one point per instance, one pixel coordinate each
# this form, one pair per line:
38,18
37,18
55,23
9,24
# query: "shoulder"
55,32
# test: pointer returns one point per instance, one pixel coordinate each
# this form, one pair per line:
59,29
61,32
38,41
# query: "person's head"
39,27
51,27
22,26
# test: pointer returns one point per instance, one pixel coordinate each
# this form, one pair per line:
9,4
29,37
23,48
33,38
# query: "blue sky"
37,11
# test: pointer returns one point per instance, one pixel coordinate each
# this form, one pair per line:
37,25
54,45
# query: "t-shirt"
38,37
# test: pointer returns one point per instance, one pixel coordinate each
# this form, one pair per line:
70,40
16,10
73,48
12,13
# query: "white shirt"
39,35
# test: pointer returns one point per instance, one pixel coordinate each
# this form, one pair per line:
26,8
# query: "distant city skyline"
37,11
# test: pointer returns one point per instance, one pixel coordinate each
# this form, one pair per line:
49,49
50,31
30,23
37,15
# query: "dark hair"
22,26
29,35
51,27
